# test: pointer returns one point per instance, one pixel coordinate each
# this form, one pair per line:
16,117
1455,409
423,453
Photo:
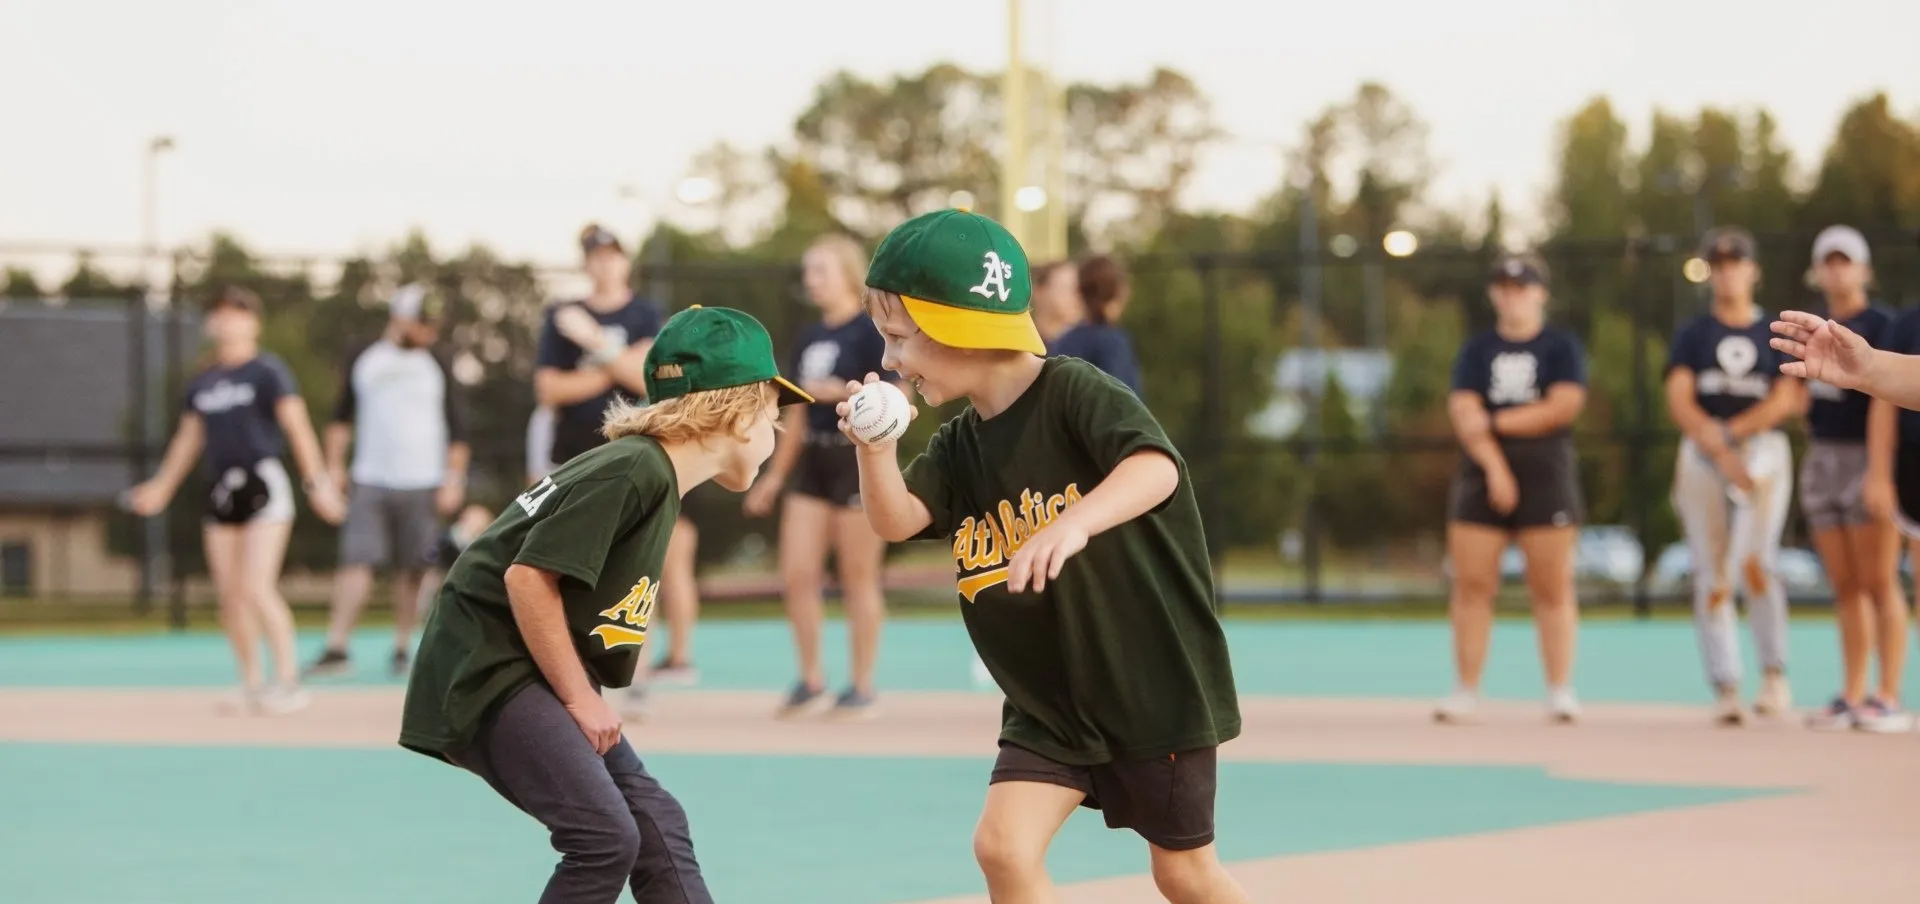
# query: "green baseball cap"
963,279
702,349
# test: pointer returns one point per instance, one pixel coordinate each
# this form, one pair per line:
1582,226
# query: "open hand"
148,499
1827,351
328,503
1040,558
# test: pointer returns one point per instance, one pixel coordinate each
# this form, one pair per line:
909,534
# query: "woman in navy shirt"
240,413
1517,389
1097,337
1852,529
822,508
1733,482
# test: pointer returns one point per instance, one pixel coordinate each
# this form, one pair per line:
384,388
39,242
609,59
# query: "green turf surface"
1654,661
184,825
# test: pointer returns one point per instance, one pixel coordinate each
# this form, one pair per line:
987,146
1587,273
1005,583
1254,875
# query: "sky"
333,128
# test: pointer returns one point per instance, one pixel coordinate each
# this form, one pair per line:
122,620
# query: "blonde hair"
846,252
694,417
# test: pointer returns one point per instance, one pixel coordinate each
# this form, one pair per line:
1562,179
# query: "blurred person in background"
539,444
1733,479
242,411
593,352
1097,336
1847,497
815,463
1056,299
1517,390
399,411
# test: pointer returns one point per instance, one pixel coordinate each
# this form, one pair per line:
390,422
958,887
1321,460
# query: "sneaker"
1883,717
1837,715
1562,706
1459,707
1775,698
280,700
675,674
1726,707
331,662
802,700
400,664
854,706
241,701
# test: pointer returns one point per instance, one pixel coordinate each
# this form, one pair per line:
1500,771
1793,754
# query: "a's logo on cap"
998,272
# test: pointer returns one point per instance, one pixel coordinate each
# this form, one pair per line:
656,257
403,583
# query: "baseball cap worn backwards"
962,278
702,349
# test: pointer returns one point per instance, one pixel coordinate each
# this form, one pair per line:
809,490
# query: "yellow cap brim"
791,394
964,328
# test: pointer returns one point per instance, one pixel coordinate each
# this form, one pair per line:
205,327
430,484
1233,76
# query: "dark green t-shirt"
1123,656
602,522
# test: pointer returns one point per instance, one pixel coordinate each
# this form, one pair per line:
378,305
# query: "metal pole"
177,596
152,543
138,372
1310,348
1013,167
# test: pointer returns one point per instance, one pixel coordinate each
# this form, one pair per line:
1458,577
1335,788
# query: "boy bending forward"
551,603
1082,570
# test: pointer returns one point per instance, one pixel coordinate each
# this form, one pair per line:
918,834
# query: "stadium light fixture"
1400,243
1343,245
1030,198
1696,270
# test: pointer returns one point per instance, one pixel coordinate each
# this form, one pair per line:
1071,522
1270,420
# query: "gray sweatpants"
611,822
1735,544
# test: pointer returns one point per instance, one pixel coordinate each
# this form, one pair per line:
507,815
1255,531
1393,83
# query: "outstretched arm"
1829,351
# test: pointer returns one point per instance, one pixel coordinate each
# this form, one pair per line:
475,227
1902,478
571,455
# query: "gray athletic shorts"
386,526
1832,479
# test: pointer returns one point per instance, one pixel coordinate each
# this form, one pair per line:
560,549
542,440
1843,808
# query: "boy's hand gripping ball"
879,413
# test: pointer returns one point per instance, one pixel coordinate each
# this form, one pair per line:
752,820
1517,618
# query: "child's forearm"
895,513
1140,482
1473,427
534,596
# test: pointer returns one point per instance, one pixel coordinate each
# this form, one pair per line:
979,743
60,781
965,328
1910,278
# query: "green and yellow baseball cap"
702,349
963,279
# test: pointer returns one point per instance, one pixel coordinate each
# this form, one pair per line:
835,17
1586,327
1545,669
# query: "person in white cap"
399,412
1854,534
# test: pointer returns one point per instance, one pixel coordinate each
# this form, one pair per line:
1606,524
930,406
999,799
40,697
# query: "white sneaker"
1562,705
1459,707
241,701
280,700
1775,697
1727,709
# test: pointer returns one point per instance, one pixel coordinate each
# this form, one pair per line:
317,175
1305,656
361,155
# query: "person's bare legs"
860,553
406,611
1010,842
1556,613
1474,550
266,549
1851,608
680,592
225,548
352,584
1877,548
1194,877
805,530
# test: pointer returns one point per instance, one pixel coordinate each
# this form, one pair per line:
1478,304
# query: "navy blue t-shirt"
849,351
1841,414
1733,367
1902,337
576,428
1507,374
237,406
1102,345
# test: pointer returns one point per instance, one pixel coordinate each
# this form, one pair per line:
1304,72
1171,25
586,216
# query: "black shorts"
1167,800
1906,491
1547,473
828,470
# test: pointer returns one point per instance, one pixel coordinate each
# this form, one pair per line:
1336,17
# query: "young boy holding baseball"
1082,567
551,603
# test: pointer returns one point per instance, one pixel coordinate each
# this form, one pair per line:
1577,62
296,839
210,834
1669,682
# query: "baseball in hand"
879,413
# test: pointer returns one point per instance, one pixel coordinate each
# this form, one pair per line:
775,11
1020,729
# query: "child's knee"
608,842
1005,855
1184,876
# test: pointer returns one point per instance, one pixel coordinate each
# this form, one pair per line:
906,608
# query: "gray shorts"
1832,479
398,527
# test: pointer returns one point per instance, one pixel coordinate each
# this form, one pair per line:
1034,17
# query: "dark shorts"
1546,470
1906,491
1833,484
389,527
1167,800
828,470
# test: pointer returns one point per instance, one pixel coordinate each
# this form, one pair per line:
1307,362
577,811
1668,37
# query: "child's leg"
534,755
1757,532
665,872
1029,798
1194,876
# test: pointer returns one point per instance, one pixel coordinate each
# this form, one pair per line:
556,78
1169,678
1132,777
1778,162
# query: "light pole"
150,214
156,561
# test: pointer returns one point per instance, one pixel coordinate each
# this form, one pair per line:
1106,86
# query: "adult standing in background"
1098,338
593,352
399,411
